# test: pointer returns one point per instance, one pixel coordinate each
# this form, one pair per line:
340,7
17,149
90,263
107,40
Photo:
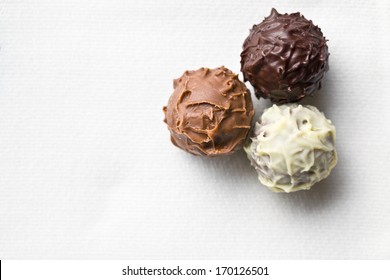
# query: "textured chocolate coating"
285,57
209,112
292,147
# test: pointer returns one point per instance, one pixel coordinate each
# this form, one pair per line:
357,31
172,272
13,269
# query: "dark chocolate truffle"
285,57
209,112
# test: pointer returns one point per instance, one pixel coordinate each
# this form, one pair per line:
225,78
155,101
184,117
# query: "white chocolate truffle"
292,147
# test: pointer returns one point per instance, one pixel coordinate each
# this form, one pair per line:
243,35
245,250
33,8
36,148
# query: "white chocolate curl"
292,147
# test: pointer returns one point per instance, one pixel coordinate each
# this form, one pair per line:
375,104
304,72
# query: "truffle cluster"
210,111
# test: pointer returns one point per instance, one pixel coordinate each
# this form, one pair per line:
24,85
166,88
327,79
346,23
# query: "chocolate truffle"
292,147
285,57
209,112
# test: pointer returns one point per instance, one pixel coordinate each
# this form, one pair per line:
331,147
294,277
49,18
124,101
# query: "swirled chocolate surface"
209,112
285,57
292,147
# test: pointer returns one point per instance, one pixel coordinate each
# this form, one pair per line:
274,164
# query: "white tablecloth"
87,170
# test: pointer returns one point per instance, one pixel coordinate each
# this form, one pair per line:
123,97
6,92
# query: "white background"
193,269
87,170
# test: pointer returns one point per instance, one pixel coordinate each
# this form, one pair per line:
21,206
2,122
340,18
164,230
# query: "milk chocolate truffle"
285,57
209,112
292,147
